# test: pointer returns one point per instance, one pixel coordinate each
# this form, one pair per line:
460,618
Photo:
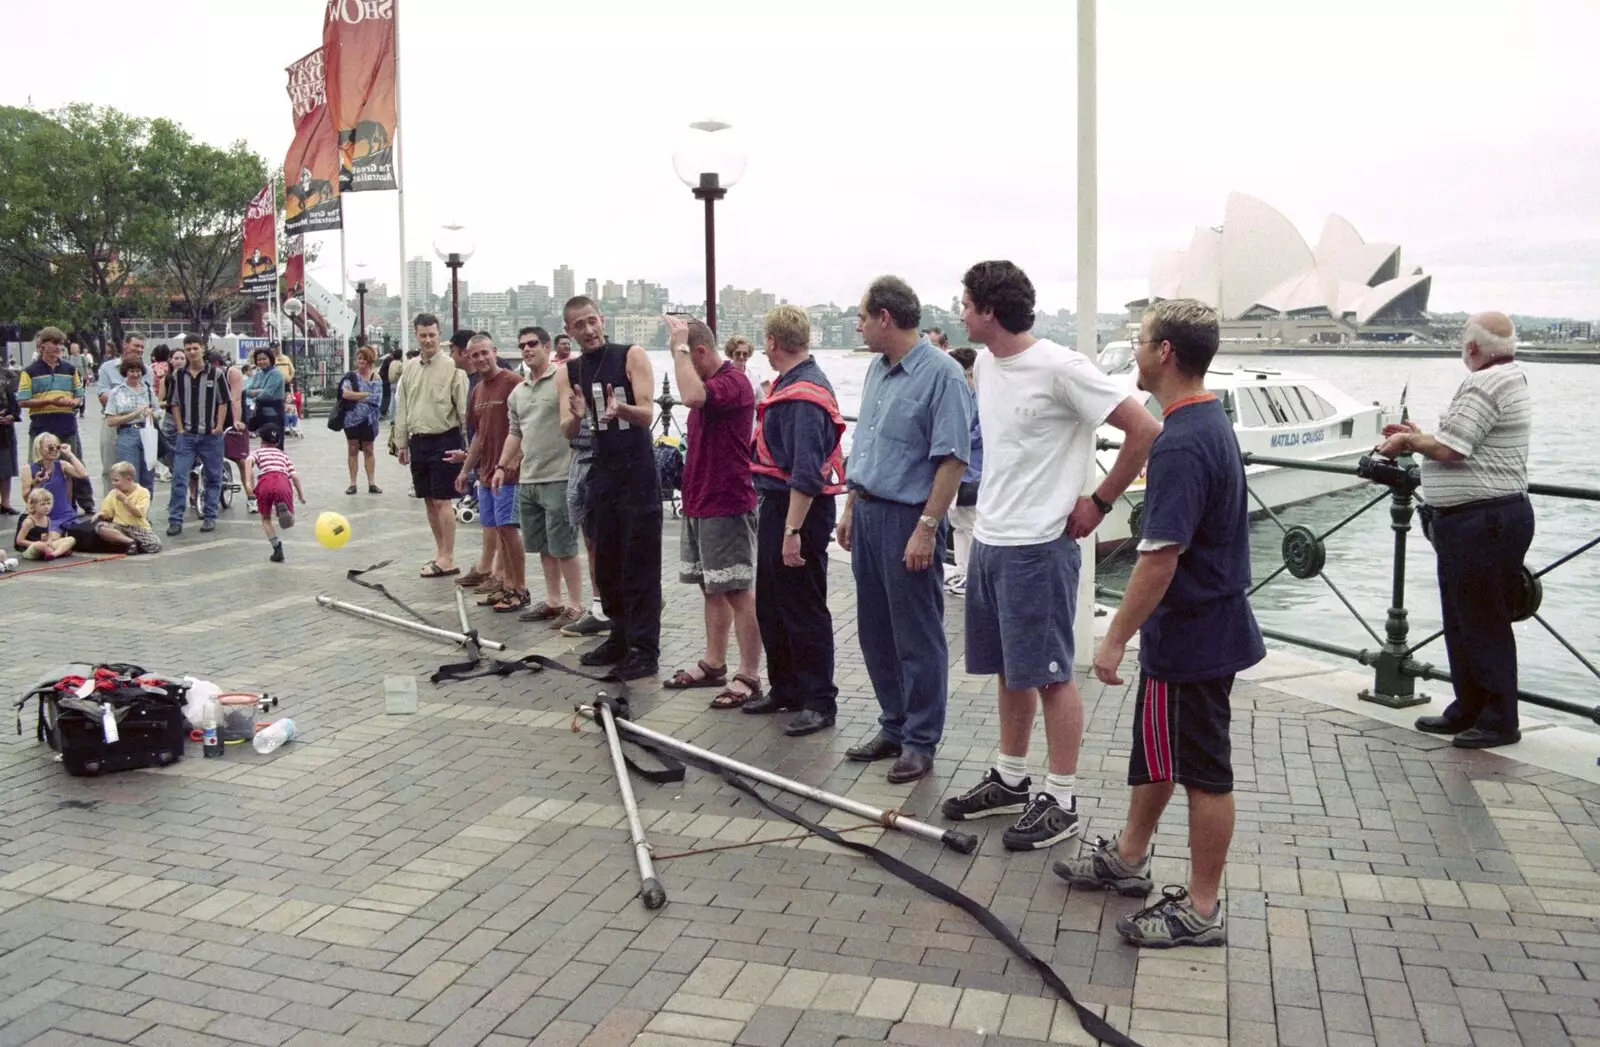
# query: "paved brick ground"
462,876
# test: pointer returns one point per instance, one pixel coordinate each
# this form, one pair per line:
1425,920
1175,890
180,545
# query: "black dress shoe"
1440,725
878,748
173,530
633,667
909,768
1478,738
767,703
609,653
207,526
808,722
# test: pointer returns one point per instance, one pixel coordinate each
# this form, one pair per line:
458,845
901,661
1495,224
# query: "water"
1360,555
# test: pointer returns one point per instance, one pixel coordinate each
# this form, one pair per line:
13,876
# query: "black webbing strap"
672,767
1093,1024
354,575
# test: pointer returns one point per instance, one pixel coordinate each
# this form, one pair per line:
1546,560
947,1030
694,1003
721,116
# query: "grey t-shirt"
1488,422
534,413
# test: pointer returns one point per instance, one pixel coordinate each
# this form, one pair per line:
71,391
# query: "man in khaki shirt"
430,408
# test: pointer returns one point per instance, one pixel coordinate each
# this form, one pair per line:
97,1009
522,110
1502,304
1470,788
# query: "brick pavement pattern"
462,875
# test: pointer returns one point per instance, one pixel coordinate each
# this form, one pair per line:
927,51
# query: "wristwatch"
930,522
789,532
684,349
1101,504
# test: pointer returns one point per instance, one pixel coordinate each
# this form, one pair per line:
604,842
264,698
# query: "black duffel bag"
130,718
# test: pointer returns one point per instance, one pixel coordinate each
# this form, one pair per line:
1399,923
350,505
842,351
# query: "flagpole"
400,186
278,262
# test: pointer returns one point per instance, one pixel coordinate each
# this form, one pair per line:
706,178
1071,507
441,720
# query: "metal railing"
1395,667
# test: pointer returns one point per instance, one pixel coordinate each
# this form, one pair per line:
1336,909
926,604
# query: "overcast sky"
909,136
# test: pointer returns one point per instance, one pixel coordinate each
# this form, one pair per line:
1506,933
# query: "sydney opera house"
1259,273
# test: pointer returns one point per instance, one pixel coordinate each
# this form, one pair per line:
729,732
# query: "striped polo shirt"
1488,422
59,384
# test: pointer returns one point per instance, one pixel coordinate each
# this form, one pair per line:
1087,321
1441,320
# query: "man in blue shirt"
911,445
1187,599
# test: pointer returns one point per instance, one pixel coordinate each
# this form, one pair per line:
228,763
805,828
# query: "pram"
670,452
293,406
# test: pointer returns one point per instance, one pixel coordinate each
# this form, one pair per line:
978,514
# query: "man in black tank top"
612,385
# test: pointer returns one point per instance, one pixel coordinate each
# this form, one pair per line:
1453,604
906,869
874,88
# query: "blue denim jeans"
130,449
900,624
208,450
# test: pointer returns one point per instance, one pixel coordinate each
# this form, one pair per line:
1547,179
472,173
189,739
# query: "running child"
268,472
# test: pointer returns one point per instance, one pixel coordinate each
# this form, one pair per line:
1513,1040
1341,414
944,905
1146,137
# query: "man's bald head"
1488,338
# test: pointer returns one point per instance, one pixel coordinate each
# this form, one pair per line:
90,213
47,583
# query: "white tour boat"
1275,413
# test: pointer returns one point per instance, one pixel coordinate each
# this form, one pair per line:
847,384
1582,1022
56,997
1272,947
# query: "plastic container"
238,722
273,735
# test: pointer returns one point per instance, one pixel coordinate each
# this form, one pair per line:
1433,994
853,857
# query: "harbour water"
1360,557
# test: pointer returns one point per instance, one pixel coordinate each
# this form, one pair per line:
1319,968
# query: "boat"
1275,413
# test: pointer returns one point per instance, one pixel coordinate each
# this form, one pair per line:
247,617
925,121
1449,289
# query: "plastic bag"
200,692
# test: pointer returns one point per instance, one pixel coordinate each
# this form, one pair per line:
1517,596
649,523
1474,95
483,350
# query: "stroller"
293,406
670,452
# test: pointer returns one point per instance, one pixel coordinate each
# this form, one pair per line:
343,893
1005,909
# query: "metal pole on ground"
401,623
1088,275
651,892
963,842
461,608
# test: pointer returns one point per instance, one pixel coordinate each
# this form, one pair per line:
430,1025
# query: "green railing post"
1392,685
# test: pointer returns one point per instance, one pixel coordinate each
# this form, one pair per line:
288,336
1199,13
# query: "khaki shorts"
546,526
718,553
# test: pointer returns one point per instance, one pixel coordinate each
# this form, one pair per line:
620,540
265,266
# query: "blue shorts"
497,510
1020,603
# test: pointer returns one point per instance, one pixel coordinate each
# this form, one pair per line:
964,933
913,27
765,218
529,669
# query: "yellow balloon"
333,530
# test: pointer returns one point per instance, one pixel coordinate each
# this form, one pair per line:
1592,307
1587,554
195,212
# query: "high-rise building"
757,302
487,303
635,291
419,283
613,292
565,284
591,289
533,301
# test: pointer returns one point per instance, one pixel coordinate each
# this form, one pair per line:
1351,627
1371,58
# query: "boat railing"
1396,668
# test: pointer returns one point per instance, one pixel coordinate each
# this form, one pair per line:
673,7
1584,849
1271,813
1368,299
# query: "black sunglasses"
529,345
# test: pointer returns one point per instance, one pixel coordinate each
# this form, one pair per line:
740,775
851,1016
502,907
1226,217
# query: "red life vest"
811,393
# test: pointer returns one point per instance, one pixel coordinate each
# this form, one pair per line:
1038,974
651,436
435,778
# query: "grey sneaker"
1172,921
588,625
990,796
285,516
1042,825
1104,866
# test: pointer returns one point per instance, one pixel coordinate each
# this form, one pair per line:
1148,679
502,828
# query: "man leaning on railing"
1475,483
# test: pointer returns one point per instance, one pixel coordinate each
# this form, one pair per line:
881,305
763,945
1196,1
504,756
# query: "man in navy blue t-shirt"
1187,600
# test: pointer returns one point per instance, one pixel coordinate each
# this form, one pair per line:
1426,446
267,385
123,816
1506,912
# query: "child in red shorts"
268,474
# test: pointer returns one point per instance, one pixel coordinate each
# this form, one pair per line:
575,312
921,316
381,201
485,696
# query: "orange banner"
258,269
311,167
294,268
358,44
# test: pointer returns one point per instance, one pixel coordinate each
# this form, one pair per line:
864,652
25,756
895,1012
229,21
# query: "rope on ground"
64,566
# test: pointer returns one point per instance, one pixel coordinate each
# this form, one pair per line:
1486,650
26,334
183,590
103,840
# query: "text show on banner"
258,271
311,167
358,49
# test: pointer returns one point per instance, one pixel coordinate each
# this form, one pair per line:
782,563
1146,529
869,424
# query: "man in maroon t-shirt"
489,423
718,546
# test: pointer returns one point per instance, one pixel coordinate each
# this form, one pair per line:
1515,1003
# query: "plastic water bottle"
273,735
211,744
8,564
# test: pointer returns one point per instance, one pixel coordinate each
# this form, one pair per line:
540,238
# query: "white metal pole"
402,623
651,892
344,291
400,194
278,243
1088,276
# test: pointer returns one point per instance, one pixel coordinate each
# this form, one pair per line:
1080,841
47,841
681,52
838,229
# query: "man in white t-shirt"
1040,404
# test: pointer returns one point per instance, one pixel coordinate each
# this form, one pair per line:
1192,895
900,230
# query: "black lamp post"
454,245
710,158
361,274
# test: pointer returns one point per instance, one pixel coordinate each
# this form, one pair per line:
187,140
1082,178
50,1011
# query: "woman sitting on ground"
37,538
362,391
54,471
266,390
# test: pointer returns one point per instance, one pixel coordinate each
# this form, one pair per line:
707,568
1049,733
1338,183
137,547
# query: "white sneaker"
956,586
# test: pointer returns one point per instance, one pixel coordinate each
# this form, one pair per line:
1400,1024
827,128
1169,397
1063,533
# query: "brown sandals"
731,699
682,680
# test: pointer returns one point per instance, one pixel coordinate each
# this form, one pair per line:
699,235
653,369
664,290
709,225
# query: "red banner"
294,268
358,42
258,269
311,167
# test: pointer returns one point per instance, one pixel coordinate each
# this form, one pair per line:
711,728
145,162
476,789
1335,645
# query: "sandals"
731,699
371,489
513,601
350,490
492,598
472,578
542,613
682,680
431,569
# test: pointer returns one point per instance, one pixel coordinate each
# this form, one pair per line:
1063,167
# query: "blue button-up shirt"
110,375
913,415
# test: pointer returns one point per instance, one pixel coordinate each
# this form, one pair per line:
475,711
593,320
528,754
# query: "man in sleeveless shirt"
611,385
1475,480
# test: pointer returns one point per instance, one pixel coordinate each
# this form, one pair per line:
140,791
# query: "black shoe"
767,703
277,554
1478,738
173,530
990,796
1440,725
910,767
1043,824
878,748
634,667
207,526
808,722
608,653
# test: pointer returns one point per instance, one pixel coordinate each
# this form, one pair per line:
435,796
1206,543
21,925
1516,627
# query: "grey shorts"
578,492
718,552
543,516
1020,604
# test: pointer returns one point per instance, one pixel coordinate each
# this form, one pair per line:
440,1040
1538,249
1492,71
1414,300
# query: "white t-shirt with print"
1039,410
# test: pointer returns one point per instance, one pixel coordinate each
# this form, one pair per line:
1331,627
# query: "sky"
910,136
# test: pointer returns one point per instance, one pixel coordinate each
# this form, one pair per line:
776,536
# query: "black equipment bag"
131,719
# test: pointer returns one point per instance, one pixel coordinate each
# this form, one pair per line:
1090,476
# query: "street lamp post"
454,245
360,275
709,158
294,309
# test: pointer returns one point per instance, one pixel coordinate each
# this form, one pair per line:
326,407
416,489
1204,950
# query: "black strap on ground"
1093,1024
354,575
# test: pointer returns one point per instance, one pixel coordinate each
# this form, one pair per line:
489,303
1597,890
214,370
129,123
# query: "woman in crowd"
130,409
160,367
55,469
362,390
266,390
9,413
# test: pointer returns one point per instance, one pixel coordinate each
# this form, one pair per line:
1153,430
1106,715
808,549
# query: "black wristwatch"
789,532
1101,504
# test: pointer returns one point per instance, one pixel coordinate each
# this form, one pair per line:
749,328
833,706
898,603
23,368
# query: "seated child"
35,540
126,510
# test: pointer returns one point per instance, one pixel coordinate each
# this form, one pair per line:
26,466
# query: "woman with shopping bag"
131,410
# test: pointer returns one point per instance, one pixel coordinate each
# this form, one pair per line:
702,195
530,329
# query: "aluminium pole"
400,191
1088,276
401,623
651,892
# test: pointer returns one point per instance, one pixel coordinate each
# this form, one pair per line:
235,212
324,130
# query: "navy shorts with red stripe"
1180,734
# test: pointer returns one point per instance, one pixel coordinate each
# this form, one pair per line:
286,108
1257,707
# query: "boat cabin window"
1286,404
1250,412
